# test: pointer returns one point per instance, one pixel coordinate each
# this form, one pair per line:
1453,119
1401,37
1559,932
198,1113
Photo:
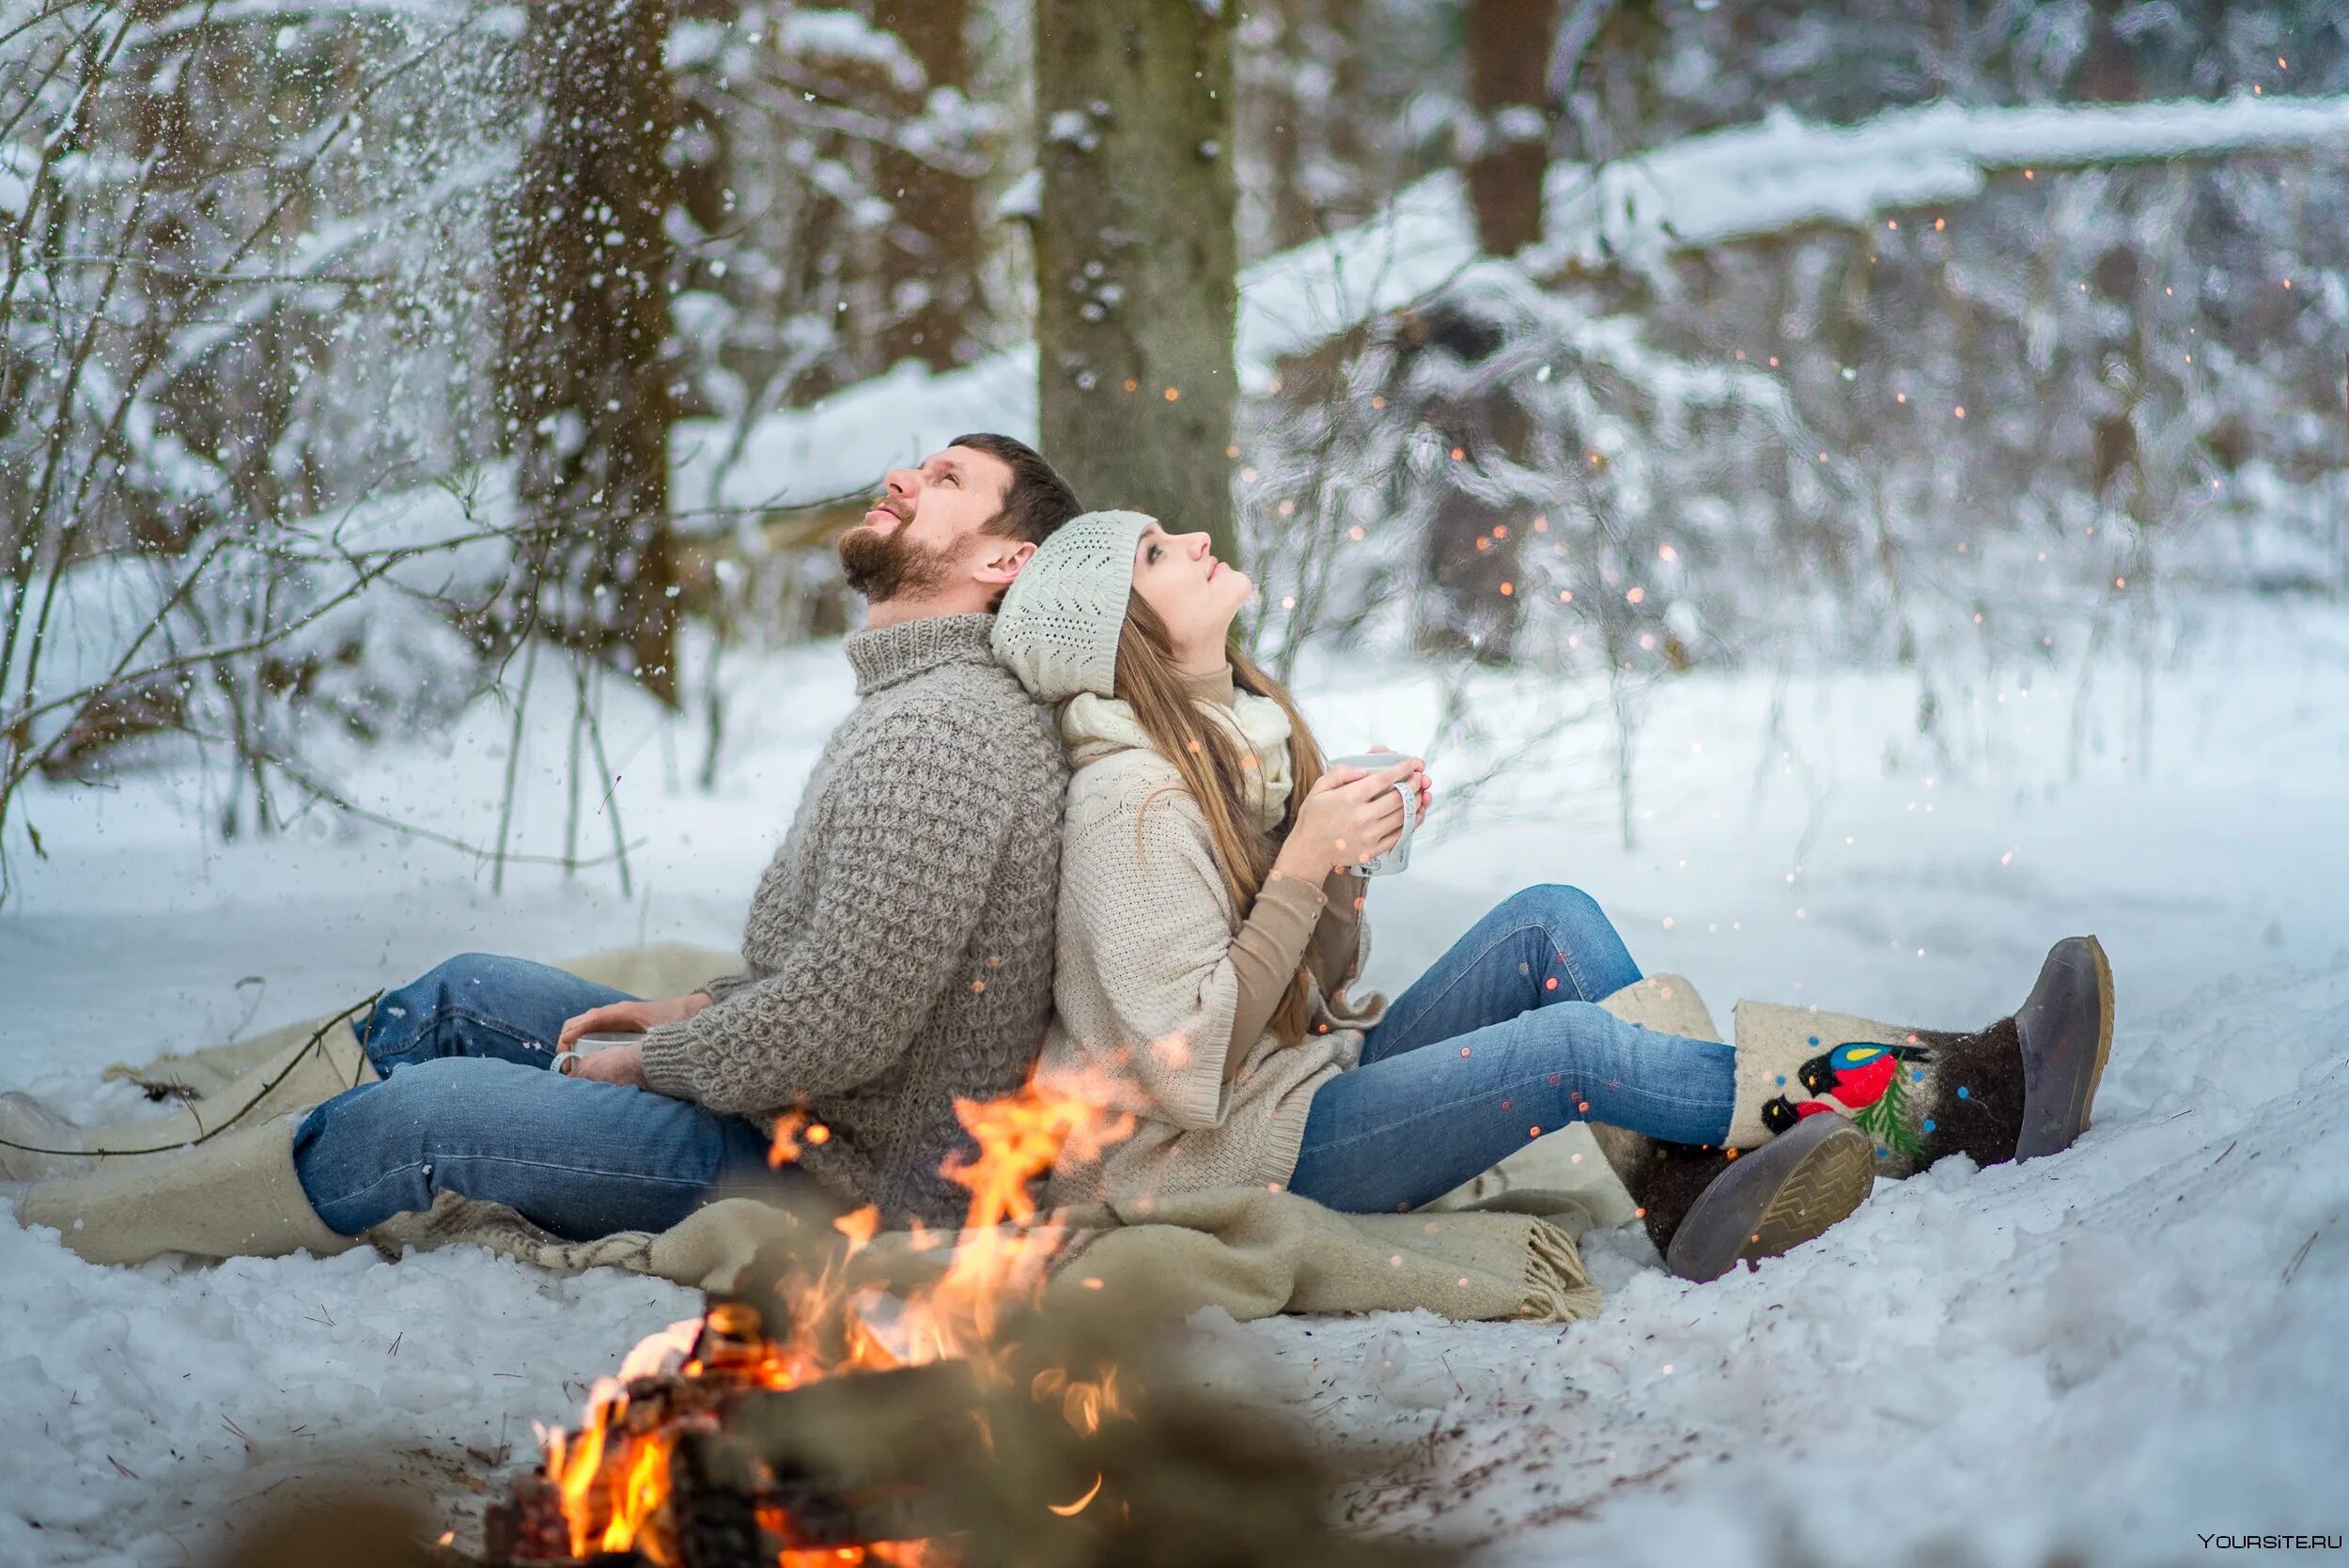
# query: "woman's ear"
999,560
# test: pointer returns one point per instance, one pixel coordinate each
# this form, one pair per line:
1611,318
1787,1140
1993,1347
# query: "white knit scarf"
1093,727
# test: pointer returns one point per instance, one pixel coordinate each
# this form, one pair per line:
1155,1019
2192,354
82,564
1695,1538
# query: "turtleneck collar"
884,656
1216,688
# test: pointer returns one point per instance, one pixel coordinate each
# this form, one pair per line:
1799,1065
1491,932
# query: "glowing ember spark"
1070,1510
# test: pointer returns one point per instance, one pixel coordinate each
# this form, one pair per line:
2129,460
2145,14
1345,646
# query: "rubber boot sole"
2065,1029
1778,1197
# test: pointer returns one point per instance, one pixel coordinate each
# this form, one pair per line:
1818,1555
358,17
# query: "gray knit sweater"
900,948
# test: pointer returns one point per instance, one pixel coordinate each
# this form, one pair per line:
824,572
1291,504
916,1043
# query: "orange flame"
859,1227
786,1147
614,1482
644,1489
879,1554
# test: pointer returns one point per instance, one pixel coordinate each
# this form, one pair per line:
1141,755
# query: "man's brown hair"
1037,502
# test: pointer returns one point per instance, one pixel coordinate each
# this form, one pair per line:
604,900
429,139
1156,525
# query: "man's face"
924,532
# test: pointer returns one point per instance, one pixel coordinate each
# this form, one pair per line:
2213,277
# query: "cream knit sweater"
1144,988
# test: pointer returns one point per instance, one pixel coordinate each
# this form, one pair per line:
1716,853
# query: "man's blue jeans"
1500,1042
466,1104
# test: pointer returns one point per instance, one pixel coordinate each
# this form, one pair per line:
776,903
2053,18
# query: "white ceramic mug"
1400,856
594,1040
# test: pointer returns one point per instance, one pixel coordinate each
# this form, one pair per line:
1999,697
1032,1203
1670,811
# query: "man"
898,954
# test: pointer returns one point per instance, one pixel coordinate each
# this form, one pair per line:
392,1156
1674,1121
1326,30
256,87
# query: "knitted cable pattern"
898,953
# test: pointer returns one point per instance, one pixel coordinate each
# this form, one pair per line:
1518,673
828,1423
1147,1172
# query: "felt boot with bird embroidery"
2014,1089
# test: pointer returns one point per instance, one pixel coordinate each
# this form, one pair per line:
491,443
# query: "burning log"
707,1467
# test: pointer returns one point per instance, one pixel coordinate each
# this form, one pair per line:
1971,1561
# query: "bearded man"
897,955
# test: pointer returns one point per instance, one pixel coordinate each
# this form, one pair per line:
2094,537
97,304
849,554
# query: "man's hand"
622,1064
629,1017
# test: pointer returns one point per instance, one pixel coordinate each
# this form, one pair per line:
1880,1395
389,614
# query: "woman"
1210,922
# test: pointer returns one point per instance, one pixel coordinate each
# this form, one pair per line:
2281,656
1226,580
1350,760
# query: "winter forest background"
1859,488
362,363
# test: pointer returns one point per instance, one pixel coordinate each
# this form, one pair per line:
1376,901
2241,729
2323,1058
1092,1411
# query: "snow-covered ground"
2115,1350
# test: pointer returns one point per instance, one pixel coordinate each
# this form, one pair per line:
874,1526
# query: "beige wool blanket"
1251,1252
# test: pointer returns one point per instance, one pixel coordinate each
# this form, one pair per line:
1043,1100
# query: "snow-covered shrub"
236,301
1496,472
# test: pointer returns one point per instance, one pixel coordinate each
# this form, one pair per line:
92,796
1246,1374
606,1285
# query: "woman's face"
1193,593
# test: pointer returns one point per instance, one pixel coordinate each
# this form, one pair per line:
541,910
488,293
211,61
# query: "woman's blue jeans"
1497,1043
466,1104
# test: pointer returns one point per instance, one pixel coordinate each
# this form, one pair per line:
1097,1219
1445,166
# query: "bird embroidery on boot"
1863,1079
1859,1071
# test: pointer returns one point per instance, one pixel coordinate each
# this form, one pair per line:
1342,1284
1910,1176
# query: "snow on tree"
583,361
932,250
258,258
830,173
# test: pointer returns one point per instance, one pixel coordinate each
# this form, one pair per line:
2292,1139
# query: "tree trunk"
1136,259
2108,71
1301,99
931,254
586,370
1508,53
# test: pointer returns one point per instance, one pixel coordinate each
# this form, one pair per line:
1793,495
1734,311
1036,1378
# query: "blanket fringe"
1557,1290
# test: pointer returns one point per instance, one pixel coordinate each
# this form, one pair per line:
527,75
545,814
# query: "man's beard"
883,567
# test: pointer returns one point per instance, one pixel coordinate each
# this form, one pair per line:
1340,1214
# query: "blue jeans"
465,1105
1500,1042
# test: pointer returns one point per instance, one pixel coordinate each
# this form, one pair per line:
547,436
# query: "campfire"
808,1417
863,1397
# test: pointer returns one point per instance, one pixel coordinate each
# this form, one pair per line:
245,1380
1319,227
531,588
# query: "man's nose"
901,481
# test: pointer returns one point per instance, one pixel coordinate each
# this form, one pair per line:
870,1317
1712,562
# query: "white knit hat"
1057,629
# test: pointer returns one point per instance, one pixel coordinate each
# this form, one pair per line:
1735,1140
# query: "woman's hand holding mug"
1351,818
1416,802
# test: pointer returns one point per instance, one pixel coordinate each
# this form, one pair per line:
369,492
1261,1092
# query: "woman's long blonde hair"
1215,769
